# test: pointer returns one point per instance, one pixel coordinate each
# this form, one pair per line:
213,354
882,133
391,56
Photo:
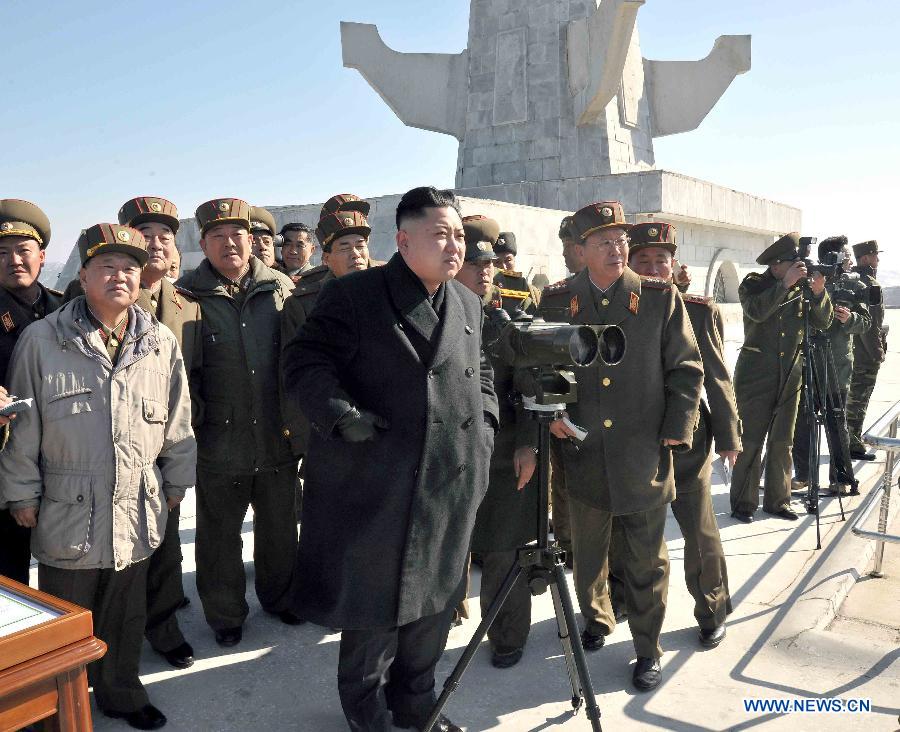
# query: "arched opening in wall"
725,285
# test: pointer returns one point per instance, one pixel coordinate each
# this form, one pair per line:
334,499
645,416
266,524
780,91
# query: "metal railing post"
884,513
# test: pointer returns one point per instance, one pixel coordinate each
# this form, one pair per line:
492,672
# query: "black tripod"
824,402
543,566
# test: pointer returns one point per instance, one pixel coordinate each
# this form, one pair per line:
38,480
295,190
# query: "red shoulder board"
655,283
556,288
697,299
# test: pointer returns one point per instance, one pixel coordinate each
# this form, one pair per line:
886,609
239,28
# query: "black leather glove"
358,425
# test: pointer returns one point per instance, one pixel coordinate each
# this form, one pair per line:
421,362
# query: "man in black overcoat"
390,372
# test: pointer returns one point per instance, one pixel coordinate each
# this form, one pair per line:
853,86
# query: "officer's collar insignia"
496,303
573,307
8,323
633,303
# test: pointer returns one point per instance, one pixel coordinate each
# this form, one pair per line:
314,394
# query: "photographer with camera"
851,317
768,373
636,415
869,349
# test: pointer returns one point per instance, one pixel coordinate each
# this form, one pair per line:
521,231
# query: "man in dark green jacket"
506,517
243,457
768,373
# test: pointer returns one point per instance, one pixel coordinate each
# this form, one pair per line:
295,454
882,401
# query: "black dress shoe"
711,637
405,721
290,618
147,717
591,642
506,657
185,601
180,657
229,637
744,516
862,455
647,673
784,513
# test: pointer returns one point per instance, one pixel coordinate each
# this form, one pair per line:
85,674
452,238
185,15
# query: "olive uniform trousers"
861,387
118,602
645,572
222,503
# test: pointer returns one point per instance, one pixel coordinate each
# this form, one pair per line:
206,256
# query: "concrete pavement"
792,635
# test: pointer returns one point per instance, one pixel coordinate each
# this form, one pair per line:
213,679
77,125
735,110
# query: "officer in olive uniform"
297,249
506,517
343,233
869,351
768,374
623,468
559,496
24,235
851,317
262,234
518,296
652,253
243,456
157,219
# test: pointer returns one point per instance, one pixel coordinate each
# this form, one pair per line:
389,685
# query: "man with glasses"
243,457
624,466
297,249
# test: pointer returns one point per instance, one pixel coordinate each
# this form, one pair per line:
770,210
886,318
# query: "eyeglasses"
620,243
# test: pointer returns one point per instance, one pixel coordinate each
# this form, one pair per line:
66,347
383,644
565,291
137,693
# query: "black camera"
848,290
829,266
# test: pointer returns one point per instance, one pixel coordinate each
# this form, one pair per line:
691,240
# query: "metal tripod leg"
582,688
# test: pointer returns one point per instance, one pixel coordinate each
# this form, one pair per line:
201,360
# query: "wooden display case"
45,646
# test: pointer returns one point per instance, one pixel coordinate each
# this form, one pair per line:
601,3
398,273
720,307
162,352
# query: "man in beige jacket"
104,453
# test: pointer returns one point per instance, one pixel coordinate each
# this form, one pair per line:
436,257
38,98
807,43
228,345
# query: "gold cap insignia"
155,207
606,212
483,246
348,221
123,236
653,232
223,206
6,226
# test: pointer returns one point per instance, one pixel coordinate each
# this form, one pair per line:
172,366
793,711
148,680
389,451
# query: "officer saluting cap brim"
23,218
786,249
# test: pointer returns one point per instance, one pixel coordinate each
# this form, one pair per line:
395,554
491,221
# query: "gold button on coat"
607,423
606,381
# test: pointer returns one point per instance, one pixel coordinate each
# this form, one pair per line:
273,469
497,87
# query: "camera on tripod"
551,350
848,290
829,266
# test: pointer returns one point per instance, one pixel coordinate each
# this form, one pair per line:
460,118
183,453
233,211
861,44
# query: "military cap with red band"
110,239
598,216
652,234
146,209
341,223
481,234
345,202
223,211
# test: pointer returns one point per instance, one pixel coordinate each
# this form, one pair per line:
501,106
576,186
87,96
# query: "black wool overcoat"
386,524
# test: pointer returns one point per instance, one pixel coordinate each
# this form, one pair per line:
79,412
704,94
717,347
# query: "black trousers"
165,591
222,502
118,601
15,548
802,430
382,670
509,630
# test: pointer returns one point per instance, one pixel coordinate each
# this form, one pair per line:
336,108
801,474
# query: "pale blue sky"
105,100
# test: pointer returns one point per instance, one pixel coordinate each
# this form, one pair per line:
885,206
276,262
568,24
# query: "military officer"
102,456
652,254
506,517
851,317
157,219
768,374
297,249
869,351
572,255
518,296
24,235
343,233
262,234
623,468
174,267
243,457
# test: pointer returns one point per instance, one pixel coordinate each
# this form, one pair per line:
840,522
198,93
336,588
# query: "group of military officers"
184,372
